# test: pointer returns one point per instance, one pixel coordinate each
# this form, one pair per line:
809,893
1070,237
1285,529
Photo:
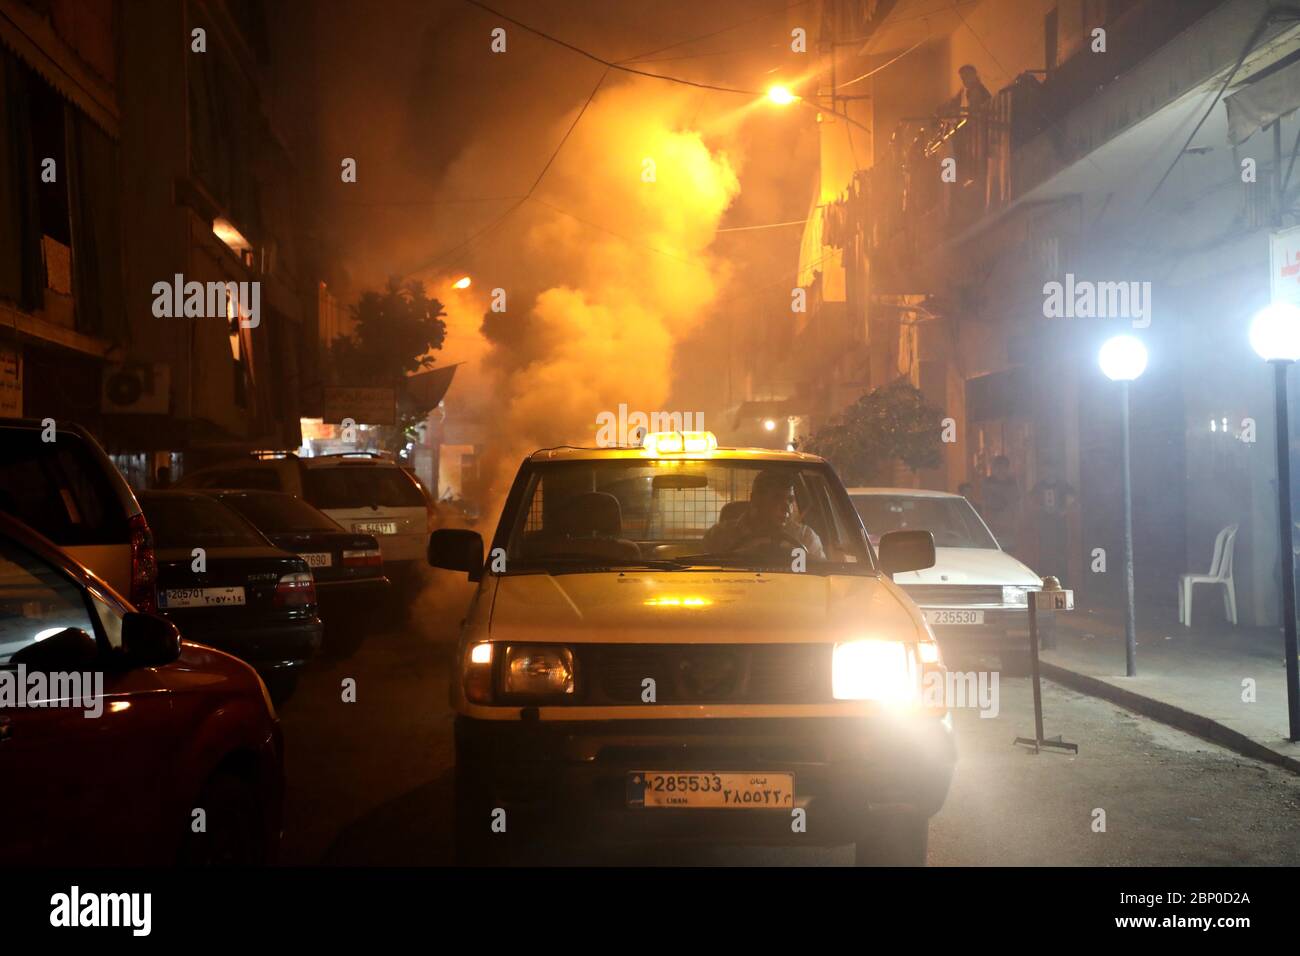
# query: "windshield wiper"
587,562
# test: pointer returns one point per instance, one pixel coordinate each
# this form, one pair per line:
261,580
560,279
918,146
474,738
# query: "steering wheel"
776,537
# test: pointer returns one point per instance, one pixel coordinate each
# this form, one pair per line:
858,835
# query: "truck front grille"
954,595
706,673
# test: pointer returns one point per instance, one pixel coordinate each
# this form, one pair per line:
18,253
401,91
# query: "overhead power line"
707,36
522,199
610,63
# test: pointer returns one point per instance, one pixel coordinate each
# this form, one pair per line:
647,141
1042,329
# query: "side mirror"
149,640
457,549
906,551
71,649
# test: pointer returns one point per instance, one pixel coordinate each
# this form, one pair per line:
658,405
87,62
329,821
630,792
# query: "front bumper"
570,777
1002,627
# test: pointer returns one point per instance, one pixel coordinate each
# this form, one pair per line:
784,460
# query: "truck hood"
710,607
972,566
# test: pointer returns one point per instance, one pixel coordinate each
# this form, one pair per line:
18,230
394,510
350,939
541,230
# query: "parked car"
620,677
346,566
225,584
365,493
179,726
976,595
58,480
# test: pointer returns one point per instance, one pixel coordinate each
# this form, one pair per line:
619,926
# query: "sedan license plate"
954,617
375,527
200,597
324,560
694,789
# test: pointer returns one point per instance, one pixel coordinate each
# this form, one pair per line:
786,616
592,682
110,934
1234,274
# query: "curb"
1195,724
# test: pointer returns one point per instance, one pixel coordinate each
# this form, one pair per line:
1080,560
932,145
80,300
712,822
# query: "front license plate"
954,617
318,560
375,527
200,597
696,789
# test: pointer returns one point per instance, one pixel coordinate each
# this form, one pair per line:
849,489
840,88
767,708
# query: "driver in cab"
767,520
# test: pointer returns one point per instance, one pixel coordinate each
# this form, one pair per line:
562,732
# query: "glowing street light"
770,424
781,95
1122,359
462,283
1275,336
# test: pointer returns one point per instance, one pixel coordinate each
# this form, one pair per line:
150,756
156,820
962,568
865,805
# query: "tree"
890,423
394,331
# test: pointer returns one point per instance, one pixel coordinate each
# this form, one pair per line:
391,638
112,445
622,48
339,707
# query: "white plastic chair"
1220,573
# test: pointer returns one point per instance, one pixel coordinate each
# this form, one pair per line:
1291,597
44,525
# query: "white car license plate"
375,527
323,560
200,597
936,616
695,789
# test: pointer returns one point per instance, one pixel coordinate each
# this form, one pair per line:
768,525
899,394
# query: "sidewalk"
1190,678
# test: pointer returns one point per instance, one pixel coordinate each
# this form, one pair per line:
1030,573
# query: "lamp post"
1275,336
1123,359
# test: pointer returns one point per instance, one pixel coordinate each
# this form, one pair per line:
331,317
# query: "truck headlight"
873,670
538,670
1015,595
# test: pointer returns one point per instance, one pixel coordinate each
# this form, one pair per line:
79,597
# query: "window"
360,486
260,479
36,601
280,514
60,488
621,511
193,521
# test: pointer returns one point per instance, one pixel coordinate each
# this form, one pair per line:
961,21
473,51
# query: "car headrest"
732,511
593,513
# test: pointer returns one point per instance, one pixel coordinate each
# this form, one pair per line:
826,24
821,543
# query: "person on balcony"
967,110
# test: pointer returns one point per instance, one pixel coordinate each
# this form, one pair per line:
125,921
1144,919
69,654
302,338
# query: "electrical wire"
610,63
536,182
766,225
1255,35
873,72
706,36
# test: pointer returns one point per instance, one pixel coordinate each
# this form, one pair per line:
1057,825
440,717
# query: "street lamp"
1123,359
781,95
462,283
1275,336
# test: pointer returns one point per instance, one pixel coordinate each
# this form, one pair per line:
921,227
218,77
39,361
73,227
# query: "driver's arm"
812,544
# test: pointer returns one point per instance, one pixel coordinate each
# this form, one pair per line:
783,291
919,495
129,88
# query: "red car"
155,751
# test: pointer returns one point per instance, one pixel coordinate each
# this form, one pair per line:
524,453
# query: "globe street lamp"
1275,336
1123,359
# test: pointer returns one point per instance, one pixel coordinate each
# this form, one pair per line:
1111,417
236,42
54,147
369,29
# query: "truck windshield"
768,516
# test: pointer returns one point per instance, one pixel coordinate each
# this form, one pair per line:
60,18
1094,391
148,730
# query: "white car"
975,590
365,493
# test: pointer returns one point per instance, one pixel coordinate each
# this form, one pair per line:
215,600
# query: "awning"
1253,107
429,387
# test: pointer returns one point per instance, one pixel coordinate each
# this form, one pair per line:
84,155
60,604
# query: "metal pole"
1033,658
1288,556
1130,616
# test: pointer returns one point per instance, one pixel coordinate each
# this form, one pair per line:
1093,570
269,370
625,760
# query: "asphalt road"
370,781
